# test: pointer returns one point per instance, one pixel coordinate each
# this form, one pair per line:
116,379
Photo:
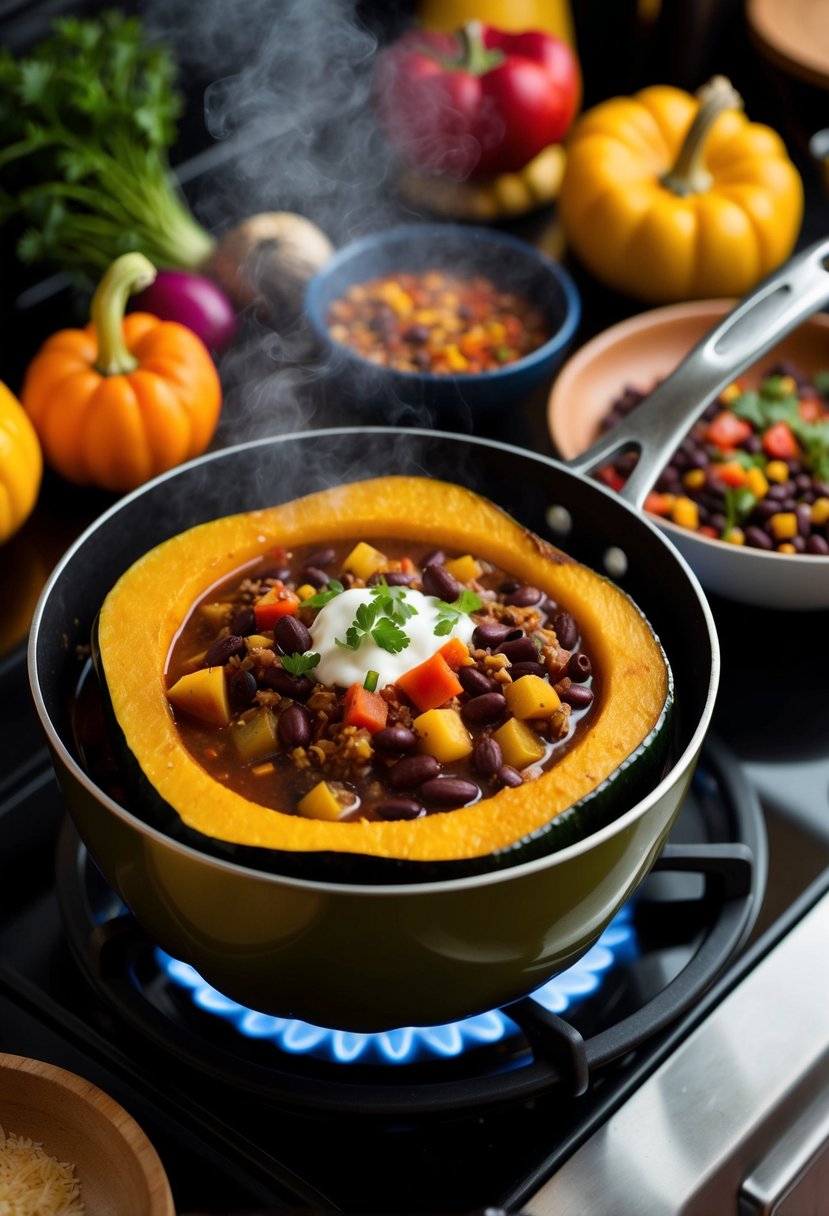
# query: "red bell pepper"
779,443
478,102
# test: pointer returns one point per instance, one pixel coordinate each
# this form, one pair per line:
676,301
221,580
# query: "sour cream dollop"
344,667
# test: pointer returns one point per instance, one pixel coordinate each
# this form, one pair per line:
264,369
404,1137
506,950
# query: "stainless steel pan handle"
659,424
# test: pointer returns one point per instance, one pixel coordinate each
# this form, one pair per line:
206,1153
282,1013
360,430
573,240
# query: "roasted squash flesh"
143,613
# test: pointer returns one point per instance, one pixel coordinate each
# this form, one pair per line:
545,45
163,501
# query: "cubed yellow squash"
520,746
532,697
256,738
203,695
465,568
320,803
442,734
364,560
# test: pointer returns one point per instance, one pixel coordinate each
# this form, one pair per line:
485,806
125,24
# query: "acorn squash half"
606,770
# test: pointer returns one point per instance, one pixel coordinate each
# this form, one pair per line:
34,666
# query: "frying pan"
350,956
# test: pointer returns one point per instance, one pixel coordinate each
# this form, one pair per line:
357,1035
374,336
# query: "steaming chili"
437,323
754,469
498,697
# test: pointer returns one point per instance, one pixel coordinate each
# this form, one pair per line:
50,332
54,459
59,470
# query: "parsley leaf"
297,664
449,614
364,619
323,597
390,636
739,503
392,601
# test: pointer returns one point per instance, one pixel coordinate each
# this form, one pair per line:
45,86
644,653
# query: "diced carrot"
731,474
279,601
659,504
728,431
364,708
456,653
430,684
407,565
779,443
707,530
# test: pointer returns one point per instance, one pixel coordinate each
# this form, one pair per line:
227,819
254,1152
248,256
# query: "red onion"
194,301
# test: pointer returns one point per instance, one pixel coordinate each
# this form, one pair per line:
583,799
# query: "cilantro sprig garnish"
322,598
773,403
297,664
369,622
739,503
450,614
392,601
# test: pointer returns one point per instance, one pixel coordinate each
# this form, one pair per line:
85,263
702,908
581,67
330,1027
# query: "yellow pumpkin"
671,197
21,465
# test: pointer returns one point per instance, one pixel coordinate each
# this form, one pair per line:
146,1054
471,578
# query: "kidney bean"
294,727
487,756
224,649
436,557
291,636
778,492
493,633
577,695
509,587
486,708
521,650
508,775
317,578
392,578
298,688
566,630
449,791
400,808
242,686
804,518
474,683
817,544
244,622
394,739
579,668
798,543
517,670
281,574
416,333
524,597
756,538
412,771
322,557
439,582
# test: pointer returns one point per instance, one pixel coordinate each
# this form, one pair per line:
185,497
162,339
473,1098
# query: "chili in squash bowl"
388,681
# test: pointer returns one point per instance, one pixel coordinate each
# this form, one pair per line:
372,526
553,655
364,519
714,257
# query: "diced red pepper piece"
364,708
779,443
728,431
658,504
811,409
731,474
707,530
430,684
279,601
610,477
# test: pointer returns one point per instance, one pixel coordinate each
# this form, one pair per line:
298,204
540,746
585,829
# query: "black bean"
756,538
577,695
436,558
579,667
493,633
475,683
486,708
392,578
798,543
291,636
224,649
394,739
510,776
804,518
242,686
280,574
522,650
517,670
439,582
817,544
510,586
317,578
566,630
294,727
449,791
416,333
244,622
524,597
399,808
777,492
487,756
803,482
298,688
752,444
322,557
412,771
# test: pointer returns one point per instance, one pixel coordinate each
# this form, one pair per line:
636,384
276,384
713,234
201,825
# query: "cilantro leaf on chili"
323,597
449,614
389,636
297,664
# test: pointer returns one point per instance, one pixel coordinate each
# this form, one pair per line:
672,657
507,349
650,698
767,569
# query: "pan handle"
659,424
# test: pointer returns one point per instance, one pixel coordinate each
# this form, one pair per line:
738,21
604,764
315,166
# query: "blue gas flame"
410,1044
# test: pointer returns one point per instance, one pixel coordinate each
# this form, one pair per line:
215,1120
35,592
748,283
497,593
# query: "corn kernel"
757,482
783,525
686,513
777,470
787,386
694,479
456,361
306,591
731,392
820,511
786,547
735,536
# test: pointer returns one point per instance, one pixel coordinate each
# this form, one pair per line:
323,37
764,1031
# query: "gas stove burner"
409,1044
659,954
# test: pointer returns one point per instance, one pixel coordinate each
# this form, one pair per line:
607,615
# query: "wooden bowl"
119,1171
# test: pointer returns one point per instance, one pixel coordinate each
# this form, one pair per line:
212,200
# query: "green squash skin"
618,793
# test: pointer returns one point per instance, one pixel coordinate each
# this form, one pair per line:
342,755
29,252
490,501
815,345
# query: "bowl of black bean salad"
745,495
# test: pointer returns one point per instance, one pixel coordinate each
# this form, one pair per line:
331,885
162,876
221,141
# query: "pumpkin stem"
688,175
128,274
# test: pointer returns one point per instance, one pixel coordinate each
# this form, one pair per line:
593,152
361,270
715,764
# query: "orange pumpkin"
126,398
